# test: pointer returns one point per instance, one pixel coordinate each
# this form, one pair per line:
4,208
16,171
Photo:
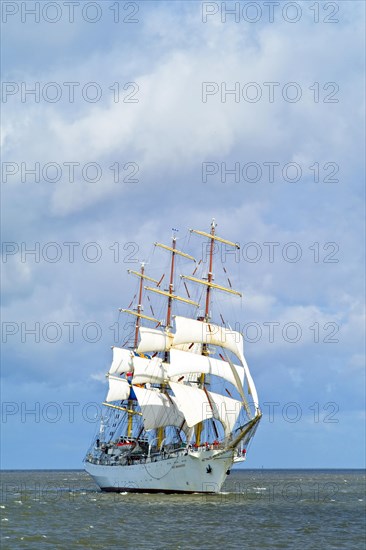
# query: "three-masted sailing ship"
182,406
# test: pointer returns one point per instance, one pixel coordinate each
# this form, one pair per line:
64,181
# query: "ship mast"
171,296
199,427
174,251
137,327
171,283
139,315
210,274
209,286
139,305
161,431
137,312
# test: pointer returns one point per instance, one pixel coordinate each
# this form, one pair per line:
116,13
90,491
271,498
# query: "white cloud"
171,128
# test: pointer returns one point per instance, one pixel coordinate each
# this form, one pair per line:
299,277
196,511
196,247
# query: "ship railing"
166,453
99,456
215,446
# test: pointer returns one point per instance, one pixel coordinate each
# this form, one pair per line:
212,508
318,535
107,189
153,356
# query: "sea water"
256,509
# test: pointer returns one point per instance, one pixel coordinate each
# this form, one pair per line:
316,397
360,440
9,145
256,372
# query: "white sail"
151,371
145,370
226,410
251,386
158,409
190,330
183,362
193,402
154,340
119,389
122,361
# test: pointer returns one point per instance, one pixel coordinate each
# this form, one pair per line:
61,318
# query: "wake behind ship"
182,406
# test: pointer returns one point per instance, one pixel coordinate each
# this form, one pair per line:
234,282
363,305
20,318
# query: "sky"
123,120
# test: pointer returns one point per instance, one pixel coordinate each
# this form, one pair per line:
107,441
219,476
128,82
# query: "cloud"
170,128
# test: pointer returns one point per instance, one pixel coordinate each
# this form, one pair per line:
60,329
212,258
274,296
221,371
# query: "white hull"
196,472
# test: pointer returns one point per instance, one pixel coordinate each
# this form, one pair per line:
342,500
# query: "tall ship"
181,407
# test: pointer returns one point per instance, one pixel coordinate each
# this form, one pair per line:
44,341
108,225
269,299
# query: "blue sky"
182,146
